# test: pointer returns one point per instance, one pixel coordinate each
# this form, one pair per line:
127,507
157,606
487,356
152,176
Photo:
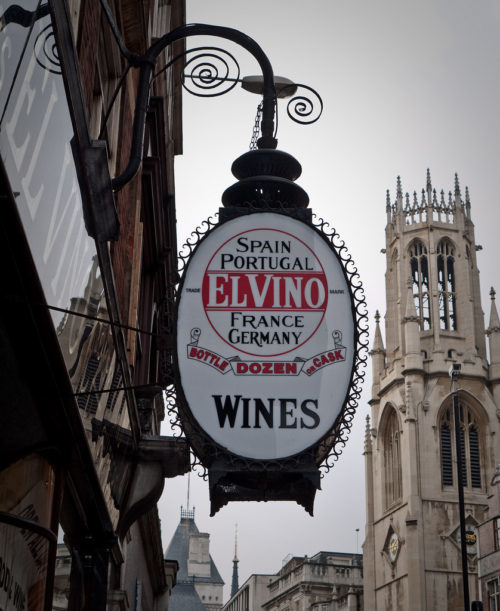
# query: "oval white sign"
265,336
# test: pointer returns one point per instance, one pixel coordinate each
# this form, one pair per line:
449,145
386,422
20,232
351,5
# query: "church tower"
434,319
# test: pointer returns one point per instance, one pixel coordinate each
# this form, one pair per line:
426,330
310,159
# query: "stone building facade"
327,581
433,320
251,595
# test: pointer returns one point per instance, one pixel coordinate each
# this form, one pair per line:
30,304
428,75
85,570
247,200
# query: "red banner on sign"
264,368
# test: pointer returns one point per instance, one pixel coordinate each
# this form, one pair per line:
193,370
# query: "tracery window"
446,285
419,265
469,447
392,459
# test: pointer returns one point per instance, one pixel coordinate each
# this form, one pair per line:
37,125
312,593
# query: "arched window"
392,458
446,285
420,282
469,447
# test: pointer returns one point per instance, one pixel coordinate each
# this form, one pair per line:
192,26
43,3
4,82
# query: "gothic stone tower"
434,319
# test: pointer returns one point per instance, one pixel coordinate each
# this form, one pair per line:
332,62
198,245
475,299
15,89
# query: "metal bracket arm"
147,63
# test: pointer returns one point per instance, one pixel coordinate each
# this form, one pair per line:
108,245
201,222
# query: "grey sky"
406,86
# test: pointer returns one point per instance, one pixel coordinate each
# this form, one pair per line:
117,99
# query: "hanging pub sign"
266,350
265,336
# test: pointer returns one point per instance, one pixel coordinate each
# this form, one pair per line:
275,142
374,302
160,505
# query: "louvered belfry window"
446,285
470,449
475,465
446,451
419,266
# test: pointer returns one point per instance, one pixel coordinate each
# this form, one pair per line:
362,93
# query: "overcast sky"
406,86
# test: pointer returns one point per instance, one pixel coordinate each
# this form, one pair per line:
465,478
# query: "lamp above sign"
265,336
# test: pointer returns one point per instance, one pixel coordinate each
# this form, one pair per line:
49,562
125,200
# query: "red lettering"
263,290
291,368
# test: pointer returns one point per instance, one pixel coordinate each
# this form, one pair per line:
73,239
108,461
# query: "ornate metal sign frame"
324,452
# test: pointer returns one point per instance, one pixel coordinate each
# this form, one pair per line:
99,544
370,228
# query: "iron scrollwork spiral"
305,108
46,54
211,72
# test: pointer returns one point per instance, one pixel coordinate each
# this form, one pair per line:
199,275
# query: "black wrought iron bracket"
210,75
147,64
300,108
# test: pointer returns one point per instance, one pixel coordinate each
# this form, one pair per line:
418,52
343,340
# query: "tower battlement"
428,208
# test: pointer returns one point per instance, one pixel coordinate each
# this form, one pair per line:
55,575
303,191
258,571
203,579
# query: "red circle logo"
264,292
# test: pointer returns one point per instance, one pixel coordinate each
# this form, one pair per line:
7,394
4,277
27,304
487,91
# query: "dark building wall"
70,411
